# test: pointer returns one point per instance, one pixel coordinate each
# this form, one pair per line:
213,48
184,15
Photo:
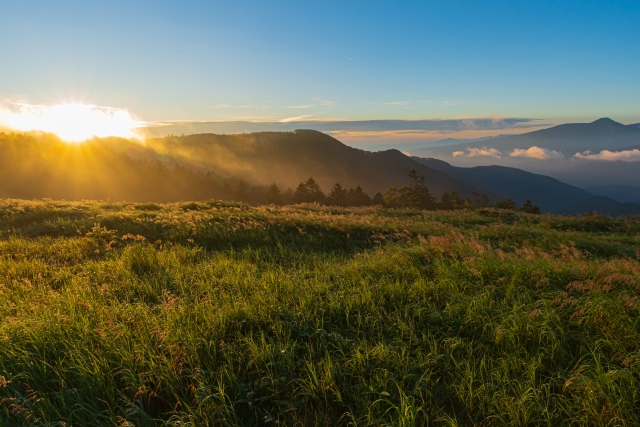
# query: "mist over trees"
49,168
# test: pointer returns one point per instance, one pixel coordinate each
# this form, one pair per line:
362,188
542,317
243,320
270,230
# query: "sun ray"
72,122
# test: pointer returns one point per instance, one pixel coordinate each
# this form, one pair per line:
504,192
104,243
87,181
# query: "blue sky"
318,60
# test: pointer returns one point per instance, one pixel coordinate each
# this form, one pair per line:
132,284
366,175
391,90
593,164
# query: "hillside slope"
548,193
620,193
603,205
287,158
199,167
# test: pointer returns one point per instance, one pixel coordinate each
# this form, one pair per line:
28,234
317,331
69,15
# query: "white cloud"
611,156
301,106
295,119
479,152
536,153
396,103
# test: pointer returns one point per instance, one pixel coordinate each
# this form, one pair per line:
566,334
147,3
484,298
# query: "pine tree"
378,199
419,194
315,193
301,195
445,201
457,202
507,204
241,191
273,194
484,201
338,196
529,207
287,197
357,197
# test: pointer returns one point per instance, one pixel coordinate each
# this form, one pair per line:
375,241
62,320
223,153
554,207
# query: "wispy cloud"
252,106
295,119
396,103
324,102
611,156
374,126
536,153
301,106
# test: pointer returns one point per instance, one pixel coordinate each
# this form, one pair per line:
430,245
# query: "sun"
72,122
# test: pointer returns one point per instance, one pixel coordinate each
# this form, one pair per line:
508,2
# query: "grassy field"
220,314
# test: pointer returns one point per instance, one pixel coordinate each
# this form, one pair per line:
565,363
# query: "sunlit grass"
220,314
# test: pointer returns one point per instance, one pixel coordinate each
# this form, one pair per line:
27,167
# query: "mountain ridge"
570,138
549,193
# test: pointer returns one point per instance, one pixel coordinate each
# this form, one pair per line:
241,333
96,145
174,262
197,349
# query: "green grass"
219,314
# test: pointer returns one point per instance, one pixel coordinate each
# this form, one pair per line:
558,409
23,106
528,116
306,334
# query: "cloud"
301,106
611,156
530,153
536,153
479,152
325,102
295,119
257,107
396,103
384,128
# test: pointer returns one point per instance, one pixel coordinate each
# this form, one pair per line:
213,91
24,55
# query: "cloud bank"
446,125
479,152
537,153
611,156
529,153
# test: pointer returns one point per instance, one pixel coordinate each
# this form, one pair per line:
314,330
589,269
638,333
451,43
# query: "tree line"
415,195
52,169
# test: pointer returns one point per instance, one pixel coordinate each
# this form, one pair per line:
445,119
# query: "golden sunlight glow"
71,122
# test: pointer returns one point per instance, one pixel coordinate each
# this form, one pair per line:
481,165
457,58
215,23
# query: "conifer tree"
301,195
445,201
529,207
315,193
507,204
457,202
358,197
273,194
484,201
378,199
338,196
241,191
419,194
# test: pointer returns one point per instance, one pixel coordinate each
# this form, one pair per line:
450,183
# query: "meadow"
222,314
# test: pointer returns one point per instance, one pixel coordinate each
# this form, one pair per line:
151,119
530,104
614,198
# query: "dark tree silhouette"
338,196
273,195
358,197
529,207
507,204
378,199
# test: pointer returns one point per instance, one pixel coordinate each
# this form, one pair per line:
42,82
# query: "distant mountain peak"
606,121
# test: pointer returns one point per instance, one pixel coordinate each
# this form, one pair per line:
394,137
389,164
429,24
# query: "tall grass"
218,314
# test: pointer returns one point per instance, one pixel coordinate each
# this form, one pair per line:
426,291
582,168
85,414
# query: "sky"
546,62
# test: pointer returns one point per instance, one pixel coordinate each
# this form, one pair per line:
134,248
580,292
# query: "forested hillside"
199,167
